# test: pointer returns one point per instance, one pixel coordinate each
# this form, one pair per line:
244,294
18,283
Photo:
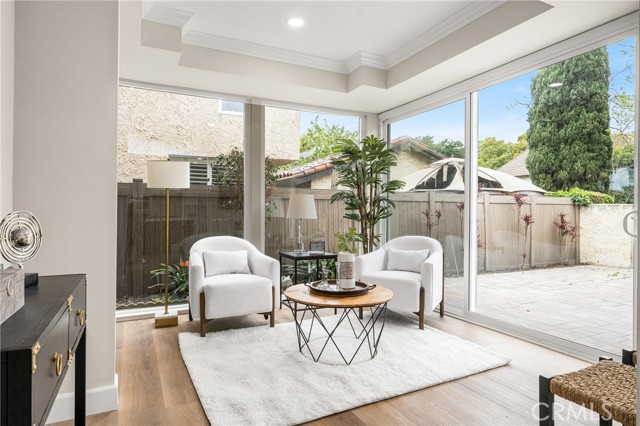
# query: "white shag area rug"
257,376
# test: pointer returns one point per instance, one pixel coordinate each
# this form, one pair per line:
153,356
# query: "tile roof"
516,167
407,143
304,170
321,165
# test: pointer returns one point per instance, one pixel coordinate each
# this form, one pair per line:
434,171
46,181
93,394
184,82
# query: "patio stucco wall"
153,125
602,239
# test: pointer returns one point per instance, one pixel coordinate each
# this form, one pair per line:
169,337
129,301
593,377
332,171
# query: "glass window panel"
300,144
154,125
430,150
547,261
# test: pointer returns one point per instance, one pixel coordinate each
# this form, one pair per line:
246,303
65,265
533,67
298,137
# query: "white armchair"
412,290
231,288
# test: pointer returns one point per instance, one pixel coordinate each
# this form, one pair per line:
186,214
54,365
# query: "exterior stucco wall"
324,182
408,162
282,134
602,239
153,125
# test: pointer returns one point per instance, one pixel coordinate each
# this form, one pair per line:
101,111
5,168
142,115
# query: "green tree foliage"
621,103
568,136
582,197
319,141
494,153
446,147
622,155
231,179
364,168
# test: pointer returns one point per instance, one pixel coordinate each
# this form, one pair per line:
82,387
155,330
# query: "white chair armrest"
267,267
431,277
370,262
196,281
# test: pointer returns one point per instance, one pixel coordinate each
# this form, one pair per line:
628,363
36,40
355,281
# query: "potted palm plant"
363,169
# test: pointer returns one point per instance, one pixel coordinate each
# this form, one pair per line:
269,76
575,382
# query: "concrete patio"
588,304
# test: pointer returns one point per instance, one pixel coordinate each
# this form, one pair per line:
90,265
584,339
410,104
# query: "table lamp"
167,175
301,206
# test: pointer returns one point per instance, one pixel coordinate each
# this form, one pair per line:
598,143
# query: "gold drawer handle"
69,357
34,354
57,358
69,302
81,316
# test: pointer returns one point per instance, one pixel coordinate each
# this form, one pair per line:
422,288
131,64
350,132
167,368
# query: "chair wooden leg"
545,404
190,317
421,311
442,301
272,322
203,320
360,313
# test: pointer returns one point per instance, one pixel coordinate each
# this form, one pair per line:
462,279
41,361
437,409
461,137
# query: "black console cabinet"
39,343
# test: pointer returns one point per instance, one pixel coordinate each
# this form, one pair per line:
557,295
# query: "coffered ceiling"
354,55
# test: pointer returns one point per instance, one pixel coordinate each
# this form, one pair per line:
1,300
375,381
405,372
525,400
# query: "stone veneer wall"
153,125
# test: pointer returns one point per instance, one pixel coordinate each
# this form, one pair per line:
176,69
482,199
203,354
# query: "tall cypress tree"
568,136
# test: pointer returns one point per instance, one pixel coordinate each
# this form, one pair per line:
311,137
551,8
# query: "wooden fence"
199,212
500,229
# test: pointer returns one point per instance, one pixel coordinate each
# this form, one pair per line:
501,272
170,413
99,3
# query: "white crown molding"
367,59
180,18
450,25
165,15
209,41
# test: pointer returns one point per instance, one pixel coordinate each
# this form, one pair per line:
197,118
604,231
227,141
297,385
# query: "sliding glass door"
547,185
555,181
430,151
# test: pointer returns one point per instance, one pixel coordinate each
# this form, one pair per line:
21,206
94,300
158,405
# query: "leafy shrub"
582,197
348,241
625,196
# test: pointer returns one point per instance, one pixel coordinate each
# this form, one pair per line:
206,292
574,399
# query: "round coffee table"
367,330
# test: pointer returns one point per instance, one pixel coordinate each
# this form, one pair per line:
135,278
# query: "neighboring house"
317,174
448,175
517,167
156,125
412,156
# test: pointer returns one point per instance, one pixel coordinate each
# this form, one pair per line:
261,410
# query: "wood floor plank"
171,368
155,387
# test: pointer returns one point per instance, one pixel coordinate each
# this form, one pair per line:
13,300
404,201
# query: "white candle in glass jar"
345,270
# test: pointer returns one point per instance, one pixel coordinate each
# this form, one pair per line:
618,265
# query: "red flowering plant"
178,280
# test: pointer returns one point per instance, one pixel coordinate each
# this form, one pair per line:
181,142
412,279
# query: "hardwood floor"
155,387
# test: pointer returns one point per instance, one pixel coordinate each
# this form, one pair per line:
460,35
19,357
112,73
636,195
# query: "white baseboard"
99,400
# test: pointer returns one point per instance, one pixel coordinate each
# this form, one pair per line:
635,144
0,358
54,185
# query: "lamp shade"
302,206
167,174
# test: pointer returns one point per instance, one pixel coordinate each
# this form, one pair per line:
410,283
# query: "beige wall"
7,14
602,239
324,182
66,87
408,162
154,124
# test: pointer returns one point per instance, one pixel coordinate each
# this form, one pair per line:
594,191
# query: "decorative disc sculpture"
20,237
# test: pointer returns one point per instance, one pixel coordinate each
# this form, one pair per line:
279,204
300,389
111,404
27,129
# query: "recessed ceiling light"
555,85
295,22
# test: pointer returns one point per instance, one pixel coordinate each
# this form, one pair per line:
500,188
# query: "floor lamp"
301,206
167,175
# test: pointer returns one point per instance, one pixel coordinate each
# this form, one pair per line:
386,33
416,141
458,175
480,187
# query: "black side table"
296,257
